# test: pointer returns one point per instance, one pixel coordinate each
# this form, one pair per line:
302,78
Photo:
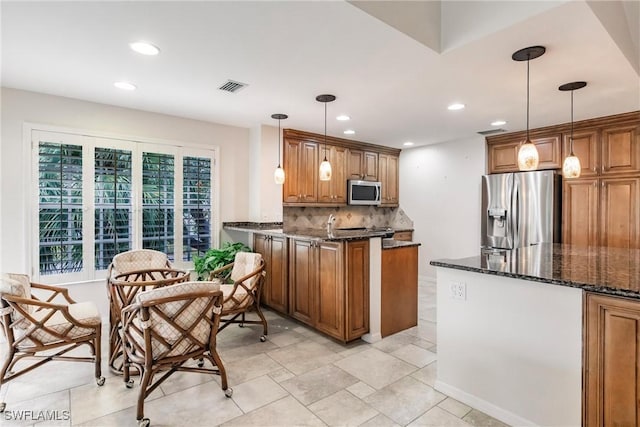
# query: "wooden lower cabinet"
275,292
324,292
611,361
399,310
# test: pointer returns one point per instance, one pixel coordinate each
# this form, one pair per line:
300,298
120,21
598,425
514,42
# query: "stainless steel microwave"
363,192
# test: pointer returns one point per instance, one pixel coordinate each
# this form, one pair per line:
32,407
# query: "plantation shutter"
158,202
113,204
60,208
196,206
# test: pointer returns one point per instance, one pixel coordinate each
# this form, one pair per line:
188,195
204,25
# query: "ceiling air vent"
491,131
232,86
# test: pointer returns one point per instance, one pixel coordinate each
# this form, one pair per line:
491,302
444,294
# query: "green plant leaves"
216,258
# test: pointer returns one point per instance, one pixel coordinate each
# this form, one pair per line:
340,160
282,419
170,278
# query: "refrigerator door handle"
515,215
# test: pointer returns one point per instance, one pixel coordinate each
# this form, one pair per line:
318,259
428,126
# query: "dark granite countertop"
393,244
275,229
613,271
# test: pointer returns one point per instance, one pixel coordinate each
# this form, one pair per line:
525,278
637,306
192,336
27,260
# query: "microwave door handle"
377,193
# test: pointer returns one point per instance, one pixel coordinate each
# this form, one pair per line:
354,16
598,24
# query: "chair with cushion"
46,329
129,273
242,293
167,327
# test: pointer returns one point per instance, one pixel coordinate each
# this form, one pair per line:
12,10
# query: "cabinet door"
330,290
302,279
335,190
580,212
370,166
611,362
388,174
585,147
261,246
619,212
277,274
621,150
503,157
355,160
292,168
357,292
309,172
549,152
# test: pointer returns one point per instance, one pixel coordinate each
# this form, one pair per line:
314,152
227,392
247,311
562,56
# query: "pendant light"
325,166
571,167
278,174
528,154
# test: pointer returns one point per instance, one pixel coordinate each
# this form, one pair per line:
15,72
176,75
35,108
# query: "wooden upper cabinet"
503,156
388,174
580,212
621,150
334,191
619,212
611,361
586,147
301,167
362,165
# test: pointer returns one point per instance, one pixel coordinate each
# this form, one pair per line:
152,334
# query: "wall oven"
363,192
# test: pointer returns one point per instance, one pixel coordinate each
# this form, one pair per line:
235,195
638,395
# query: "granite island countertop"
613,271
275,229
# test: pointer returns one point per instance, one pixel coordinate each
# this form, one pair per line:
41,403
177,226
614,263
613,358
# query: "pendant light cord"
571,140
325,132
528,60
279,143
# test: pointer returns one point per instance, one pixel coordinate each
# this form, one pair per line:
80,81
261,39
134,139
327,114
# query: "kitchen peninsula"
339,282
520,331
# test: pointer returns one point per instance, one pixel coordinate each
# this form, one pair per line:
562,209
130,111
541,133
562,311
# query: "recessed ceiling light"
125,85
454,107
144,48
408,144
498,123
343,118
349,132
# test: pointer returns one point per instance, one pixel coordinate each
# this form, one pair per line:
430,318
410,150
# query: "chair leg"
228,391
98,358
146,379
265,331
3,373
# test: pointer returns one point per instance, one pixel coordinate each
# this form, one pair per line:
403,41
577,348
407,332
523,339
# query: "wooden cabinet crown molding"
614,120
340,142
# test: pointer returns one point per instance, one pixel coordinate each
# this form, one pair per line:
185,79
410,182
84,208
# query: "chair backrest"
246,263
174,310
139,259
17,285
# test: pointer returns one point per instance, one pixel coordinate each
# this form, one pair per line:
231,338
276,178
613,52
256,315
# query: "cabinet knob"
595,169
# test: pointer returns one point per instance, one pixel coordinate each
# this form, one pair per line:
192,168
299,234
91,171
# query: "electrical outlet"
458,290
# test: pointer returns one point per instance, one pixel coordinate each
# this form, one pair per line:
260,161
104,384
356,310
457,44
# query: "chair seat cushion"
84,312
239,300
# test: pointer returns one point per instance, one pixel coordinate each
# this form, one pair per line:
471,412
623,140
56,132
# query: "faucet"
330,222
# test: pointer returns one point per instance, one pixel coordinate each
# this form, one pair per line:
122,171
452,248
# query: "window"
98,197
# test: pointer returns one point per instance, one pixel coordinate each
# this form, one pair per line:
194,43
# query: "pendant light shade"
528,153
571,167
278,174
325,166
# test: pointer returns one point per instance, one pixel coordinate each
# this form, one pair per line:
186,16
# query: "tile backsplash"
346,216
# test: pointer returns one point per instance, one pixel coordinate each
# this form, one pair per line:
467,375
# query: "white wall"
265,203
440,190
21,106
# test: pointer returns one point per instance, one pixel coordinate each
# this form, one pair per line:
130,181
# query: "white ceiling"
394,87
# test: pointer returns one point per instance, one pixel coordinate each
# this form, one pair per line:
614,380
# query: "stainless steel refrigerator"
520,209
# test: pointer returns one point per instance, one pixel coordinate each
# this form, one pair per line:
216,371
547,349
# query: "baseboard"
482,405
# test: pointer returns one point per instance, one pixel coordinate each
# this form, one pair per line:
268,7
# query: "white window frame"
34,133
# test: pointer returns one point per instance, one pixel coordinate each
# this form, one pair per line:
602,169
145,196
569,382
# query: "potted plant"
216,258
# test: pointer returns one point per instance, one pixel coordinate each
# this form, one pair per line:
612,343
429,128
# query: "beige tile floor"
297,378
